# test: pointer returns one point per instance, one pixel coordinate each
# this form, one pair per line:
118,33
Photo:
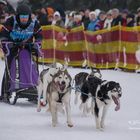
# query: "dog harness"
61,95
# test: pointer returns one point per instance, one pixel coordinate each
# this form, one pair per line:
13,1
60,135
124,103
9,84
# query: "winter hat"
109,12
138,10
71,14
97,11
91,13
50,11
3,2
23,10
125,11
57,14
131,16
78,16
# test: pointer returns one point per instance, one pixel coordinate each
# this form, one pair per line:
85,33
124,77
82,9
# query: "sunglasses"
24,16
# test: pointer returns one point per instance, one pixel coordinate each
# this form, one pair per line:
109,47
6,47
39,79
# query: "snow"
23,122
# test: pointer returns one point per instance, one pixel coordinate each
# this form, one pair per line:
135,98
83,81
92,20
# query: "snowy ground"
22,122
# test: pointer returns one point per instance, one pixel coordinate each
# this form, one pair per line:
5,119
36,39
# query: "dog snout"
63,82
119,95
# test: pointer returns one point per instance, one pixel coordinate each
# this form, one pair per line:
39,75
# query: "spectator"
82,13
50,19
50,11
43,17
85,19
70,22
97,11
130,20
93,25
9,8
124,15
117,19
138,17
102,17
57,20
77,20
108,21
2,11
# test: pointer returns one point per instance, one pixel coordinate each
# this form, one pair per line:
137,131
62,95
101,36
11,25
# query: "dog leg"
60,108
68,113
97,118
104,115
45,85
91,109
39,89
49,103
76,97
54,113
85,108
81,106
66,102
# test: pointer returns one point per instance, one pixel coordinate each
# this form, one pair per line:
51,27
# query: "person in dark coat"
117,19
2,11
25,35
130,20
86,19
43,17
124,15
138,17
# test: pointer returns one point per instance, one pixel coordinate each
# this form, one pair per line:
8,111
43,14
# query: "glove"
37,45
37,48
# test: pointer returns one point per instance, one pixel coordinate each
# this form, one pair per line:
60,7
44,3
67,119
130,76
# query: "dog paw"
70,125
98,127
38,109
102,125
53,124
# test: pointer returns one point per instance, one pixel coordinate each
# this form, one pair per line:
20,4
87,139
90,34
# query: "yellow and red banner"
116,48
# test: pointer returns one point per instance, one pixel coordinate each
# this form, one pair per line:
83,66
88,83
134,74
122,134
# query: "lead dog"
59,91
102,94
46,77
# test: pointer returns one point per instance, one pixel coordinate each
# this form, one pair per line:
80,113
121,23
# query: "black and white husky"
102,94
81,77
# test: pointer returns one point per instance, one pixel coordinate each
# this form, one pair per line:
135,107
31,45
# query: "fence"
119,47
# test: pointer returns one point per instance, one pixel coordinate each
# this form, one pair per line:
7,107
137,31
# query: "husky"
81,77
45,78
59,91
102,94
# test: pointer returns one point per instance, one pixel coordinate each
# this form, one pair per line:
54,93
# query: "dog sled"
21,72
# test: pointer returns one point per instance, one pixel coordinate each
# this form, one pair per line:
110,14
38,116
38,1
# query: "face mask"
24,18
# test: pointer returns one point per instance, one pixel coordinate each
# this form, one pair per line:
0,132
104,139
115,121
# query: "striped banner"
61,45
114,48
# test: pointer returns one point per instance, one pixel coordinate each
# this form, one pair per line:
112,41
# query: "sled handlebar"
22,44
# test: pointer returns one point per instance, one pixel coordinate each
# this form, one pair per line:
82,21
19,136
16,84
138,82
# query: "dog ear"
66,71
64,67
93,69
111,85
53,65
